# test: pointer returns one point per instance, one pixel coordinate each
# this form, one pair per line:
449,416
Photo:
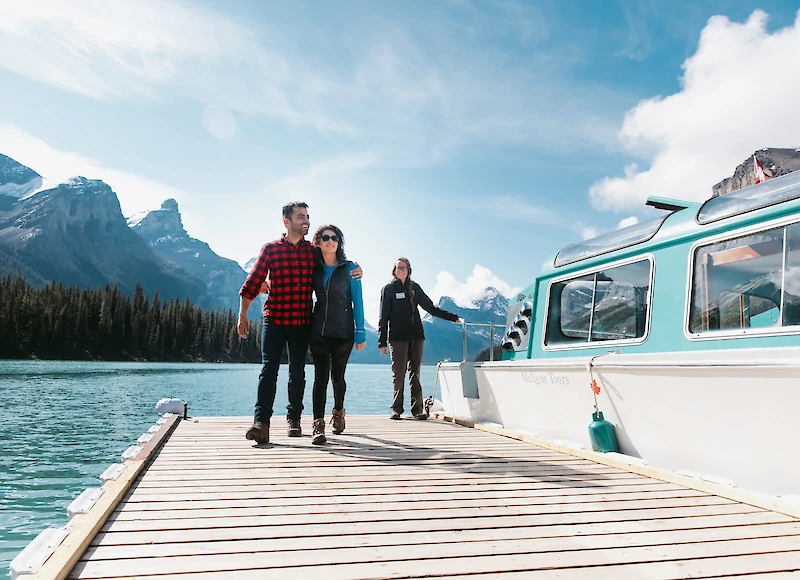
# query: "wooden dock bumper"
406,499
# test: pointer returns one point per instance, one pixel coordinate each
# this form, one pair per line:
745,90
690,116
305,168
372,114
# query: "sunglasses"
326,237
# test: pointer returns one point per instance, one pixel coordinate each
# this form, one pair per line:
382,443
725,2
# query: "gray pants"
407,355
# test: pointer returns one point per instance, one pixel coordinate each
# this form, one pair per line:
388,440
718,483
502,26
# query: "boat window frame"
649,257
738,333
610,249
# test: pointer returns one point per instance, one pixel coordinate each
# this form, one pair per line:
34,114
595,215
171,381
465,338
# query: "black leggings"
330,361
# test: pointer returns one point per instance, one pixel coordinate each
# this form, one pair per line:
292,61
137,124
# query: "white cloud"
135,193
473,289
588,232
738,95
628,221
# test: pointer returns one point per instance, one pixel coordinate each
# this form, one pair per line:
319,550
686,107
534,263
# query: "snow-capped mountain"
75,234
444,339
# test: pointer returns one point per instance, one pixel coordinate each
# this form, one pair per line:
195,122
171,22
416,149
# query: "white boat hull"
726,416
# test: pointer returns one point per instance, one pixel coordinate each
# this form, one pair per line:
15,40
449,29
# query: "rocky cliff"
163,231
775,162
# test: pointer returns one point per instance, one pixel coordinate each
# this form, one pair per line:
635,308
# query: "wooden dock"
409,499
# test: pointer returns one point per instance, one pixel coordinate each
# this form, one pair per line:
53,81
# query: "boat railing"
491,337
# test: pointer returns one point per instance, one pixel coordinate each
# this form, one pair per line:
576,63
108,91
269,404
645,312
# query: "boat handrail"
490,325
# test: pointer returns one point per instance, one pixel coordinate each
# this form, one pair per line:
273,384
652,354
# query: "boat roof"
774,198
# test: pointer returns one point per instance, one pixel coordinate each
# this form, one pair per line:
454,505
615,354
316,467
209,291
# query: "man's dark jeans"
273,338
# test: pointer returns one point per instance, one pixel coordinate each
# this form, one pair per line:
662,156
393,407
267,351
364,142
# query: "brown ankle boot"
258,432
293,428
337,420
318,432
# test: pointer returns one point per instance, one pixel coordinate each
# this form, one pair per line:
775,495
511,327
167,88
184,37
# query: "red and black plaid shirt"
290,269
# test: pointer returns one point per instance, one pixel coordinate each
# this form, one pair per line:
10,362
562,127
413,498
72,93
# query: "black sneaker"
396,416
258,432
421,417
293,427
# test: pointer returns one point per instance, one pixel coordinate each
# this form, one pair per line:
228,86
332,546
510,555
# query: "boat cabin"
722,274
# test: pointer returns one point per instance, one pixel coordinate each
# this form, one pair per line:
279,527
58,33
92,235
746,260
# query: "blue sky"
475,138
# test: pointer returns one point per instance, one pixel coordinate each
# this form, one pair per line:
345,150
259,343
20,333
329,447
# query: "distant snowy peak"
16,180
81,185
491,307
490,299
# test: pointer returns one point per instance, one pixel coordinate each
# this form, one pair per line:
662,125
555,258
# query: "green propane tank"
601,433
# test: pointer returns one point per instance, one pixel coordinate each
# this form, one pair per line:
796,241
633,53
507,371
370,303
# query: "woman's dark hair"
406,262
317,240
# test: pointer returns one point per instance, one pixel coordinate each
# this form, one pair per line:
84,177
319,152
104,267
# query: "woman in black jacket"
336,324
400,327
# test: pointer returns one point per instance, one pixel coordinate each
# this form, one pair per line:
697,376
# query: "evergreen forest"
70,323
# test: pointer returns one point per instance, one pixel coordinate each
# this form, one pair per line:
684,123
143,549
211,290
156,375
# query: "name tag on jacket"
400,295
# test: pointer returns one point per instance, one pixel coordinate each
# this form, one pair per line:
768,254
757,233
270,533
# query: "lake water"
63,423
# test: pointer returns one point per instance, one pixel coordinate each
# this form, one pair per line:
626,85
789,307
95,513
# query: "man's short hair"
288,209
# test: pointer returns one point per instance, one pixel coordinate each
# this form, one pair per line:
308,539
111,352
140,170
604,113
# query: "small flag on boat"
595,387
761,176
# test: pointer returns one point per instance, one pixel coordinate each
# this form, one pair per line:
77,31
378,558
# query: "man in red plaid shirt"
289,264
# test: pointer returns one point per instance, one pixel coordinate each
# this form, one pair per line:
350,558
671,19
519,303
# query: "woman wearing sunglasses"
401,327
337,323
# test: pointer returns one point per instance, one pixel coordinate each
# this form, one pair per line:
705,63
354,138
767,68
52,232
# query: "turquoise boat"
683,331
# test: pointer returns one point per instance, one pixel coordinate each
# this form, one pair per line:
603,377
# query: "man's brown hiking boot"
258,432
318,434
293,428
337,420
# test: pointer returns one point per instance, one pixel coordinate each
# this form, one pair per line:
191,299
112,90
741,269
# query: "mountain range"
75,233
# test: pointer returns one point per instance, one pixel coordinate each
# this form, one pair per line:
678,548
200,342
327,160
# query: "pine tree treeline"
57,322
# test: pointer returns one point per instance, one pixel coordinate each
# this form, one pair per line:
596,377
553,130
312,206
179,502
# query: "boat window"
576,308
751,198
618,239
607,305
747,283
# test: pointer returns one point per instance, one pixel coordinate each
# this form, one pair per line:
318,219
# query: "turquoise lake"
63,423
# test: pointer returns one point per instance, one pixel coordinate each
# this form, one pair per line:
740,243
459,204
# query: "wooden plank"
489,556
294,515
727,566
286,526
597,535
220,477
418,498
480,502
335,458
295,485
382,466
